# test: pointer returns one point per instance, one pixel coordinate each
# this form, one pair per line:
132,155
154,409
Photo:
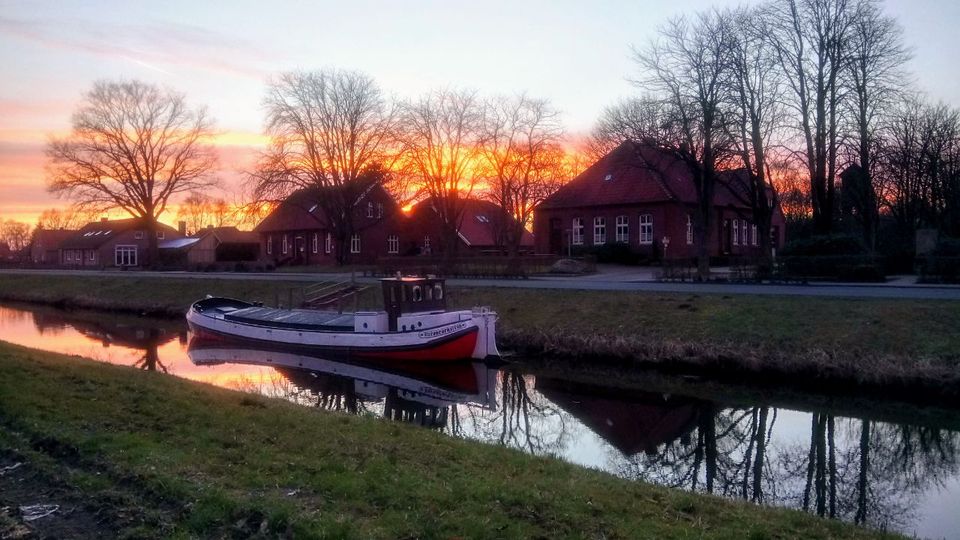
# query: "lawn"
154,455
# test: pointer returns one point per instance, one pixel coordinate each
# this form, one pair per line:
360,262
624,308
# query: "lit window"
623,229
393,244
315,243
736,232
599,230
578,231
689,230
370,209
646,229
355,243
125,255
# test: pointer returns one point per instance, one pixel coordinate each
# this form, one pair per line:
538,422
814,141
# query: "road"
609,279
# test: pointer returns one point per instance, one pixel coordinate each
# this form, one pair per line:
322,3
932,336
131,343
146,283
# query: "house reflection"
415,393
128,332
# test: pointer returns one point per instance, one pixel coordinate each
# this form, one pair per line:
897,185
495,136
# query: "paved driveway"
608,278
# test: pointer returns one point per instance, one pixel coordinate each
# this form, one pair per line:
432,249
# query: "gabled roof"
51,238
635,173
231,235
479,225
302,209
96,233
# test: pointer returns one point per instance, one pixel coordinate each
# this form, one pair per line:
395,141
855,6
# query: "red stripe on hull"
456,349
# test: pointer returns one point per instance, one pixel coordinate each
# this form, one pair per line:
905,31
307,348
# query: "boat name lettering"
442,331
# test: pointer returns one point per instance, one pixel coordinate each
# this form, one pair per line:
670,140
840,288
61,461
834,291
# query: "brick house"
119,243
45,245
481,230
297,232
638,195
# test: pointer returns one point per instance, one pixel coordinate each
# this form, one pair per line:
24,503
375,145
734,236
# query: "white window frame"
753,235
380,210
122,255
369,209
138,235
426,244
599,230
160,235
736,232
315,243
577,233
743,231
93,255
270,245
355,243
646,228
689,230
328,243
623,229
393,244
284,245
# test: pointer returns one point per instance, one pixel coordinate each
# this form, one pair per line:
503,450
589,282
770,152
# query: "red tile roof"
232,235
50,239
96,233
634,173
478,225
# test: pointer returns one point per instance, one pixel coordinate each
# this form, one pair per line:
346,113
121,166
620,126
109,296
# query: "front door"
300,249
726,239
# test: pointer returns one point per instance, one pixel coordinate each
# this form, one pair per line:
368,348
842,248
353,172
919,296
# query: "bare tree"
756,91
133,146
331,132
69,218
199,211
524,161
876,79
811,38
15,234
687,68
635,119
440,144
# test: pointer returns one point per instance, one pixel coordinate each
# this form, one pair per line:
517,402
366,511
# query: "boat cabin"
403,295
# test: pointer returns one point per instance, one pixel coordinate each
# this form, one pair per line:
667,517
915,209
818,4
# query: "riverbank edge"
120,444
913,379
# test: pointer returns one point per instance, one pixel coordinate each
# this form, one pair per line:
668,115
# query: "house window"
753,234
125,255
623,229
269,245
159,235
283,244
370,209
599,230
689,230
315,243
355,243
736,232
93,255
328,243
138,235
380,210
743,230
426,244
646,228
577,231
393,244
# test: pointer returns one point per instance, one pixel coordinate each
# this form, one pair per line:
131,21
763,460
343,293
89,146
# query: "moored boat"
413,326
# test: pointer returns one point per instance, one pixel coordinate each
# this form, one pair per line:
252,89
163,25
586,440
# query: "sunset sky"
575,53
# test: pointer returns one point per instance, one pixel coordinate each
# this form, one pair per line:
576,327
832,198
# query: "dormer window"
138,235
160,235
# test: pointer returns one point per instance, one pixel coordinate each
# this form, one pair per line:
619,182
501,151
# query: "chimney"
182,228
103,220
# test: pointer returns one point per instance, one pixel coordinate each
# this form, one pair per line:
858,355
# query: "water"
888,466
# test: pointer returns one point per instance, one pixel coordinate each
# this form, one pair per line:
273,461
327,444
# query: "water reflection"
883,465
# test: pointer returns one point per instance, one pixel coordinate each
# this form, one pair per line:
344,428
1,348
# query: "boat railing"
324,295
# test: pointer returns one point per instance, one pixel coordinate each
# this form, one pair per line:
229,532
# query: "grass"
878,343
181,459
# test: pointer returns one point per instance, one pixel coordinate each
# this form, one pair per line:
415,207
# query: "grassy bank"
152,455
909,347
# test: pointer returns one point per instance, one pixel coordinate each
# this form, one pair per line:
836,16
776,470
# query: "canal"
889,466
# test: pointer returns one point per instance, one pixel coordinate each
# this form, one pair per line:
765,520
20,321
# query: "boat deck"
296,319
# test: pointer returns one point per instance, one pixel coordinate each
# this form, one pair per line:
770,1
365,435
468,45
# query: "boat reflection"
416,393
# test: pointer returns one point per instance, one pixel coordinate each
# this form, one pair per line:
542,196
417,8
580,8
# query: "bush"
825,245
616,253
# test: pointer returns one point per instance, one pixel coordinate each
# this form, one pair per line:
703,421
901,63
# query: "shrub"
616,253
825,245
